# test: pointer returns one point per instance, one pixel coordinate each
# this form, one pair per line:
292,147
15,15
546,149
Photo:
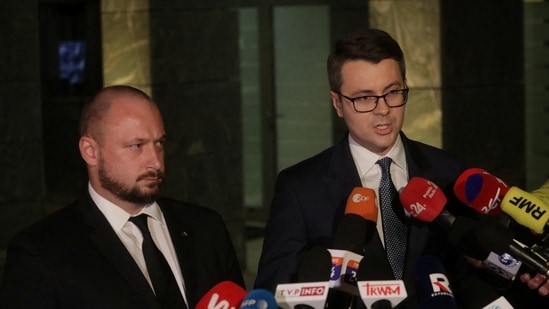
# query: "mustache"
155,174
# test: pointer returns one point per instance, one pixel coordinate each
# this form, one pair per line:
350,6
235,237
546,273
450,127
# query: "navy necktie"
162,278
394,230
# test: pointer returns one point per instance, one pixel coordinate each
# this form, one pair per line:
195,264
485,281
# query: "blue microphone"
259,299
432,285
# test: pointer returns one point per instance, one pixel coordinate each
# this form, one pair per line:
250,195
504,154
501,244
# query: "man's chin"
143,197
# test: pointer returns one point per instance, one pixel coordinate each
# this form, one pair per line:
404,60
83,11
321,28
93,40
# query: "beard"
132,194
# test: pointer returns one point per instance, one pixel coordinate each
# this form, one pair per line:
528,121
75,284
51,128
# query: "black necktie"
162,278
394,230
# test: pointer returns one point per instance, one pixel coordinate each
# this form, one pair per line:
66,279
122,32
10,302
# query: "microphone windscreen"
352,233
259,299
481,191
461,184
432,285
315,266
362,202
358,223
369,270
226,293
423,199
526,208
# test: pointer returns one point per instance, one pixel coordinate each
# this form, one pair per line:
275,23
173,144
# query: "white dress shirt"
370,172
131,236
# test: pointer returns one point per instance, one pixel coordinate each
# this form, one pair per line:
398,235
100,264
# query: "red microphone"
424,200
481,191
225,294
483,241
461,181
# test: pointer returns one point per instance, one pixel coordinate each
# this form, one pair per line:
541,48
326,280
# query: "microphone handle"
382,304
446,219
533,260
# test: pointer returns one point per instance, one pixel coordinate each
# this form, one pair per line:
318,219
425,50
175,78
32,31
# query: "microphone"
416,198
354,230
484,192
432,284
315,266
480,294
259,299
312,288
425,201
527,209
480,190
358,222
225,294
310,295
377,289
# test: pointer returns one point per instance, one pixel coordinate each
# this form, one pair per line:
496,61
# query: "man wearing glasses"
367,78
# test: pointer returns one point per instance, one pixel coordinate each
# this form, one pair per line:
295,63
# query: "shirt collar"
117,216
365,159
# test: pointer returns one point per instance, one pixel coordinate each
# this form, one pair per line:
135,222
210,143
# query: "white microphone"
302,295
375,291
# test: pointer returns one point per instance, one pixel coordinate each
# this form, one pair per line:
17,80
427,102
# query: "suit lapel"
342,175
418,166
183,243
340,181
108,243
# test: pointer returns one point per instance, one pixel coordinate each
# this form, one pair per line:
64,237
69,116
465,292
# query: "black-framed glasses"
367,103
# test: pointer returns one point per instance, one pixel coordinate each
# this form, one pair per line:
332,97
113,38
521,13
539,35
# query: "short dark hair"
96,108
372,45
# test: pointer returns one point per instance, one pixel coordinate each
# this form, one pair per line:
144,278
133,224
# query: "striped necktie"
394,230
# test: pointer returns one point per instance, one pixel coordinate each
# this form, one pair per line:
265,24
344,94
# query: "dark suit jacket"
74,259
310,199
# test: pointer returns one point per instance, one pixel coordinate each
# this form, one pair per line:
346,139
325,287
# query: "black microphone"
312,287
432,284
315,266
378,289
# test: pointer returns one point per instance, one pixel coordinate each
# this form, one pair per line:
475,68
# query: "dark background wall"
194,56
483,100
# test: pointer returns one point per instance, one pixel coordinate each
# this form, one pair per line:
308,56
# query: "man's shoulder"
415,145
321,161
419,152
55,227
186,209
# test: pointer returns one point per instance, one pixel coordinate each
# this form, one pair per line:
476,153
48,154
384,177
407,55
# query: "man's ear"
336,102
88,150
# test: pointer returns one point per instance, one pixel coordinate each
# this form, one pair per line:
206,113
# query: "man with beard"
93,253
